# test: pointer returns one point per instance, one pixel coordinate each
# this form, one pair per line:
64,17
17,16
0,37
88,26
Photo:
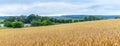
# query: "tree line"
36,20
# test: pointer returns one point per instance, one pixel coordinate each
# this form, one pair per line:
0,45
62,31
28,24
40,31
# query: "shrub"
35,23
8,24
17,24
46,22
76,20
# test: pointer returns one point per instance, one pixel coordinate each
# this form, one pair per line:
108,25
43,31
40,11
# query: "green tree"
45,18
76,20
118,17
21,18
10,19
46,22
8,24
90,18
31,17
81,20
36,23
17,24
70,20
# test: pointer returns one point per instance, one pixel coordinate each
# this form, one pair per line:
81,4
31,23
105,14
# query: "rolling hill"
90,33
74,16
82,16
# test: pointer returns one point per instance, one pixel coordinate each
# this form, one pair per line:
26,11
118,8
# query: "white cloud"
12,7
40,8
59,8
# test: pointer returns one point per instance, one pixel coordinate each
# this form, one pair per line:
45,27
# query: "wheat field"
91,33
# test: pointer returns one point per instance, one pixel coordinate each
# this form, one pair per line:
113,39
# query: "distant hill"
75,16
82,16
3,17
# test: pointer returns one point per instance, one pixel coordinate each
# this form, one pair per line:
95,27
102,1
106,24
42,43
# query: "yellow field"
94,33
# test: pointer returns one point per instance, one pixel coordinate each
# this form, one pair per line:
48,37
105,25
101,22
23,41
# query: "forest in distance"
36,20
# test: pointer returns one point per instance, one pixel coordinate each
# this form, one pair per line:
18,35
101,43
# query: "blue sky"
59,7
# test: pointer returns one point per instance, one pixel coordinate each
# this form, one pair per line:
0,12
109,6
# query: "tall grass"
94,33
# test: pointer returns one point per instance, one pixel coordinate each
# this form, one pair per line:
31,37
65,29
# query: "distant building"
25,25
1,25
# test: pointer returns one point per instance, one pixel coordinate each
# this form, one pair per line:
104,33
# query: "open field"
93,33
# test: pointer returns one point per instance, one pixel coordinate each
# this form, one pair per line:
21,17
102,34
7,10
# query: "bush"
81,20
46,22
35,23
8,24
76,20
17,24
91,18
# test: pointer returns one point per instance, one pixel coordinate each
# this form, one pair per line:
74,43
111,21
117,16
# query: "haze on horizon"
59,7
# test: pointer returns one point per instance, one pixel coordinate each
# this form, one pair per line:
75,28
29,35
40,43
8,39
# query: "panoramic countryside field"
90,33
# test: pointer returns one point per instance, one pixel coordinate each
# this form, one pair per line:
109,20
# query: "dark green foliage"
10,19
76,20
61,21
17,24
68,21
31,17
45,18
21,18
81,20
8,24
53,20
36,23
91,18
46,22
118,17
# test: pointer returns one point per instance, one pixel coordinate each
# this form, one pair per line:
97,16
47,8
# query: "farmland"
90,33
